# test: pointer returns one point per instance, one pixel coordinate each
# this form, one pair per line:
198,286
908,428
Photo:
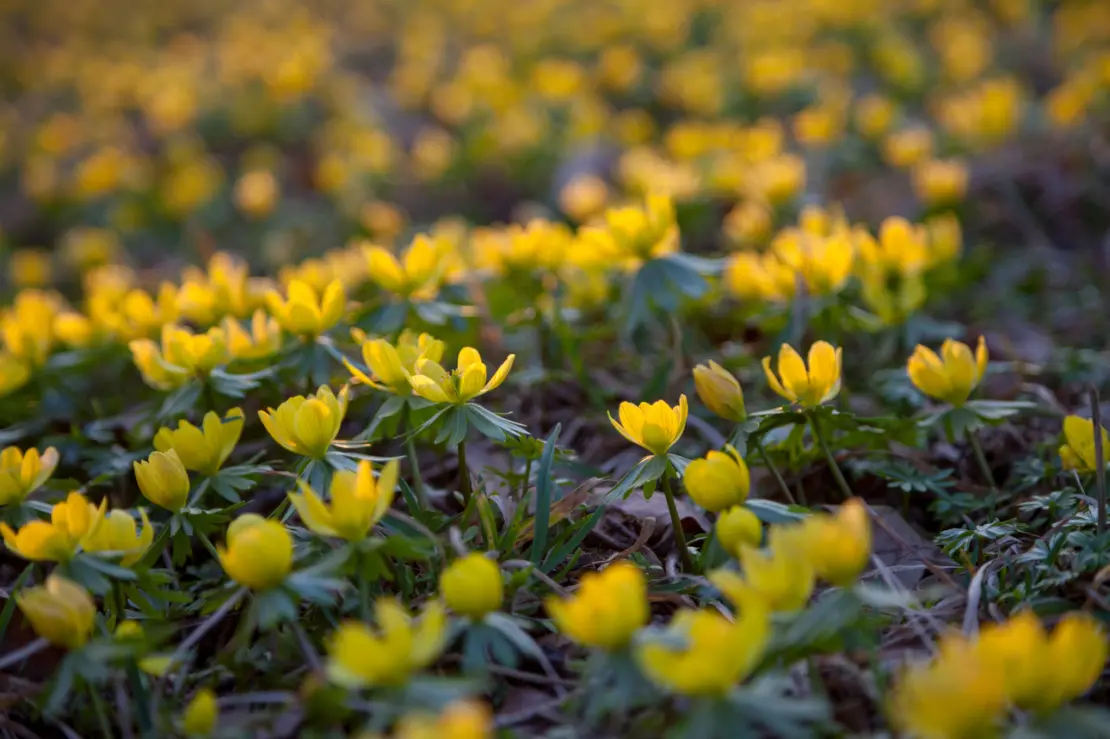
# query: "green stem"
833,466
414,464
101,714
676,524
464,475
766,459
527,479
208,544
363,589
981,459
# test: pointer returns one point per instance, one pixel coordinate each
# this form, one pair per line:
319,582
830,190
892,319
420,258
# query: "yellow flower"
199,718
1042,672
62,612
720,391
955,696
256,192
30,267
163,480
58,539
718,481
952,378
704,653
14,374
902,247
472,586
182,355
463,719
358,502
654,426
583,197
259,552
607,610
940,181
891,296
26,328
361,656
432,382
811,388
115,532
1078,451
644,232
22,473
838,547
264,339
908,147
416,275
303,312
738,527
391,366
780,576
307,426
873,115
203,449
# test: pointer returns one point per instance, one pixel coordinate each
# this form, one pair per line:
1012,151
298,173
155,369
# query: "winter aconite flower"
808,387
203,449
704,653
55,540
432,382
358,502
199,718
14,373
838,547
22,473
736,528
720,391
305,313
608,608
361,656
115,532
781,577
181,356
415,276
259,552
471,586
163,480
307,426
718,481
263,339
62,612
1078,451
392,366
953,375
463,719
654,426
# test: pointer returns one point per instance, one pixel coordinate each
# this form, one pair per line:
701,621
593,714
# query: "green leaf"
9,607
770,511
558,555
544,483
108,568
273,607
646,470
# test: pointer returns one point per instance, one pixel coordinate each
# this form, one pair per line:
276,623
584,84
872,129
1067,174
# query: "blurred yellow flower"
259,552
644,232
471,586
30,268
203,449
952,376
874,115
780,576
909,147
181,356
115,532
56,540
607,610
416,276
838,546
358,501
468,381
14,374
737,528
392,366
61,611
307,426
718,481
808,388
303,312
263,340
1078,451
21,473
361,656
902,247
463,719
163,480
940,181
26,328
256,193
201,714
653,426
583,197
720,391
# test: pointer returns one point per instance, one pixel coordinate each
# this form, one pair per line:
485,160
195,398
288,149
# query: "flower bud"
720,391
472,586
60,611
163,480
259,552
738,527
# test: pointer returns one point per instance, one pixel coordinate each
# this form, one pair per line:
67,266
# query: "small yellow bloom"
718,481
62,612
463,719
738,527
14,374
432,382
203,449
358,502
874,115
259,552
654,426
838,547
1078,451
952,378
780,576
808,388
583,197
940,181
115,532
256,193
713,654
644,232
182,355
22,473
201,714
163,480
263,340
58,539
607,610
307,426
74,329
902,247
392,366
303,312
416,276
472,586
909,147
720,391
30,268
26,328
361,656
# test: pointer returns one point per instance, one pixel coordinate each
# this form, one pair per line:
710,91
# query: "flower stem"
766,459
464,475
527,479
100,711
12,658
414,464
208,544
833,466
981,459
676,524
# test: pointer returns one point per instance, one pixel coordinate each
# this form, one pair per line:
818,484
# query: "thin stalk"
766,459
208,544
30,650
414,465
464,475
841,483
363,588
527,479
310,654
101,712
676,524
981,460
1100,460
